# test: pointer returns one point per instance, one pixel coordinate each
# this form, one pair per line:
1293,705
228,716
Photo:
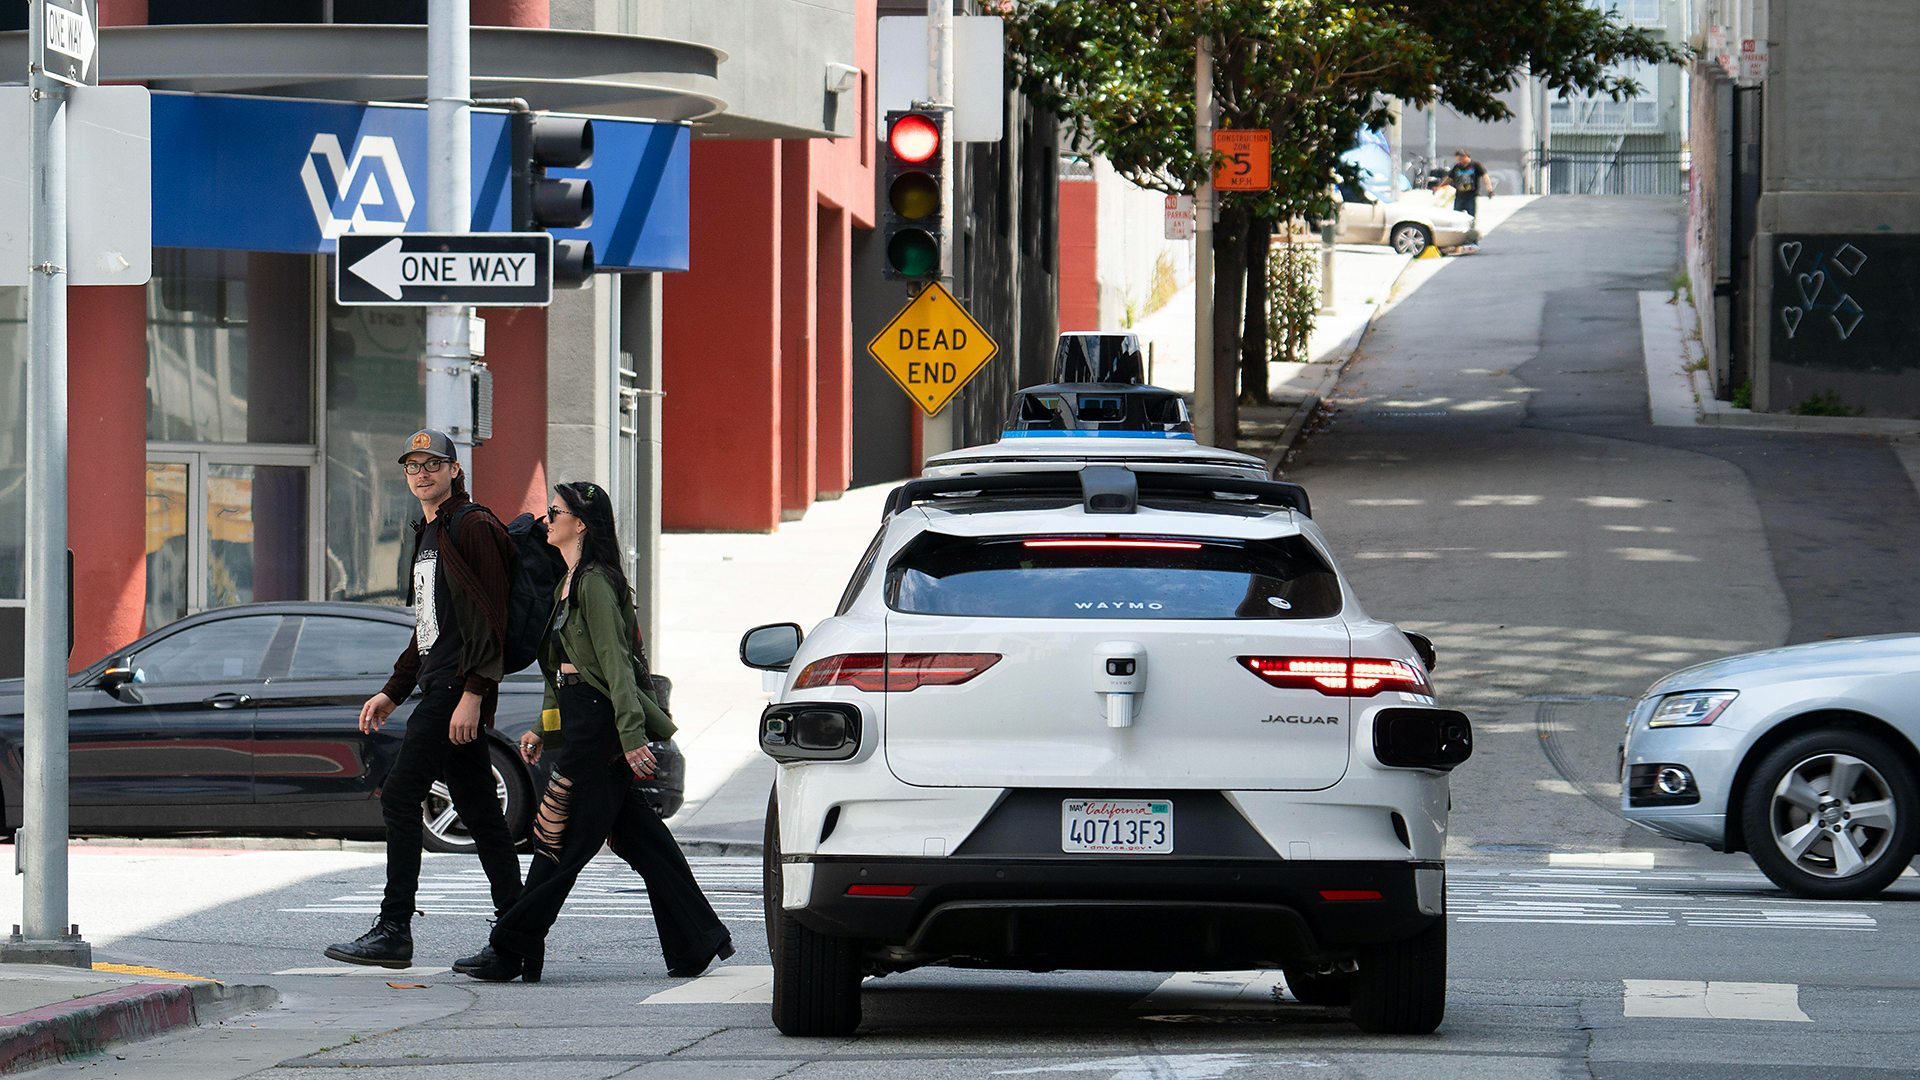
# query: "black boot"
722,951
486,958
389,944
494,965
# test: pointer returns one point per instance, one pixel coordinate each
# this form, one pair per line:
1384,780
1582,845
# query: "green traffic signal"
913,253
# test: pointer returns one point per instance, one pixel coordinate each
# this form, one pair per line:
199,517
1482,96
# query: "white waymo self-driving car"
1092,716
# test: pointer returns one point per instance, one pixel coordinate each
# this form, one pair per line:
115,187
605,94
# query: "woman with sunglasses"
598,717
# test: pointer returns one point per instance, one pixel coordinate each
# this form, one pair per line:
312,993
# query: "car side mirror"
120,671
770,648
1423,645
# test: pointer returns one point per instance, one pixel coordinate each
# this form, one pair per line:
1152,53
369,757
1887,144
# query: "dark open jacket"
599,637
475,560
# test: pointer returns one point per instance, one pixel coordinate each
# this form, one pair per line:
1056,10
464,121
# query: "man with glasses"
462,563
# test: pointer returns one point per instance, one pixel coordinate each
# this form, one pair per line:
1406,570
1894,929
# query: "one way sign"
476,269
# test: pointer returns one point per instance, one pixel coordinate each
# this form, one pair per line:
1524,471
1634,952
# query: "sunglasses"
429,466
555,511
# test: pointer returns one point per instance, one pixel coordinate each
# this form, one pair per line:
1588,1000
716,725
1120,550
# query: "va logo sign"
368,193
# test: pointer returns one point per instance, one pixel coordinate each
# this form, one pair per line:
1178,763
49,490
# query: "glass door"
225,527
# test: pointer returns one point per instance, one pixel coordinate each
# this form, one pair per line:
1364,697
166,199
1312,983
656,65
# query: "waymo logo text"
368,193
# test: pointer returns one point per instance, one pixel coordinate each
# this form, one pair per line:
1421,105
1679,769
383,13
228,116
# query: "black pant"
1464,201
426,755
599,803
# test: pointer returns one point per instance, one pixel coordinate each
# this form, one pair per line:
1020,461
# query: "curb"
134,1012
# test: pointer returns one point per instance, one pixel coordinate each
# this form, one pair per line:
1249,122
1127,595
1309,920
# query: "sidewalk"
48,1012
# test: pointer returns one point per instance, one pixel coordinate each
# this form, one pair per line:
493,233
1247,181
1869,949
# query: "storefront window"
13,443
230,347
376,397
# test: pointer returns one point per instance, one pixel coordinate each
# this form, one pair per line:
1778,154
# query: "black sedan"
244,721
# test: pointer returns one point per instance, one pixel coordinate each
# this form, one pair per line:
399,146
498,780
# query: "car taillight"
1338,677
897,673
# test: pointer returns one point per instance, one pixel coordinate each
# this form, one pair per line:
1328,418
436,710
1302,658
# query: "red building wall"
758,346
1079,255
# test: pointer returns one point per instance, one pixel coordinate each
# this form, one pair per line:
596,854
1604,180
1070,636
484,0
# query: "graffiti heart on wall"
1819,284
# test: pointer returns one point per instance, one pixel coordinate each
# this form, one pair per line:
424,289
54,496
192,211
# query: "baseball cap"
427,440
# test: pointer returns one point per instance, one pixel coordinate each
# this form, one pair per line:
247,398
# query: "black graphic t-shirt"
436,633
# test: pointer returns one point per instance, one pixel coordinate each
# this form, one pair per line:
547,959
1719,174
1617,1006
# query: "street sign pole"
449,210
940,433
44,933
1203,388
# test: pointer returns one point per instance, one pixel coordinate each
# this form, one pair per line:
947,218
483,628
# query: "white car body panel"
1024,454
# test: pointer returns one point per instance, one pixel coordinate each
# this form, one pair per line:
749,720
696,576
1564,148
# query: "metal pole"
43,847
1433,135
941,433
449,209
1528,181
1395,143
1203,390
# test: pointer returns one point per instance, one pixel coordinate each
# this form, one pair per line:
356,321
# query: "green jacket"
599,638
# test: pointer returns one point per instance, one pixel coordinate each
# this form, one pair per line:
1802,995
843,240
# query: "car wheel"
1401,988
816,977
1829,815
1410,238
1311,988
445,831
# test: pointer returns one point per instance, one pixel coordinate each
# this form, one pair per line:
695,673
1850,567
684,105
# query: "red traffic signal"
914,138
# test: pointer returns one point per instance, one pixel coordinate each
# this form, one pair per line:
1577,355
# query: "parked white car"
1804,757
1407,224
1095,716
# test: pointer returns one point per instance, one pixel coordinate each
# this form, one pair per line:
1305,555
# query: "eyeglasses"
429,466
555,511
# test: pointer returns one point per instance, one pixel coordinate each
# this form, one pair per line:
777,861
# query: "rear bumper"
1121,913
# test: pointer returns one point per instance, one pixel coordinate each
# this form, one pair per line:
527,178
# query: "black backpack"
532,576
536,573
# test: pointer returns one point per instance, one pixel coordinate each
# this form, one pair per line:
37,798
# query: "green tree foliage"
1120,73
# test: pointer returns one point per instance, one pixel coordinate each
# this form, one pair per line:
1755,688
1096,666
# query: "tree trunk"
1230,278
1253,345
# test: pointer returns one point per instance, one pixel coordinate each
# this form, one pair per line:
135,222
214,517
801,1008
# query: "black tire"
1409,238
816,978
1401,989
1311,988
1771,817
516,801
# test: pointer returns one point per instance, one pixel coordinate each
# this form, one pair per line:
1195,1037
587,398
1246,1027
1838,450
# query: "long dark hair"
600,547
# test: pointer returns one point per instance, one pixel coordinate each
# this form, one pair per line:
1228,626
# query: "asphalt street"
1489,476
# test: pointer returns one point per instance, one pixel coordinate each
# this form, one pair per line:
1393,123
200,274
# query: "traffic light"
912,228
541,142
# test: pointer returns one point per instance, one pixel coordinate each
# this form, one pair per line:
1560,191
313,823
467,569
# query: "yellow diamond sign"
932,348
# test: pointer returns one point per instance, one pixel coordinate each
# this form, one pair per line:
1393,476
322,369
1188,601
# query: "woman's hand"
530,748
641,761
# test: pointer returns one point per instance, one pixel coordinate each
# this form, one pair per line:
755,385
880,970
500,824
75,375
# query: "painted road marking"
745,984
1626,897
1165,1066
366,970
149,972
1215,990
1608,860
1685,1000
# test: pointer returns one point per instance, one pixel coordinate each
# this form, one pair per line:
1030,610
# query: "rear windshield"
1082,577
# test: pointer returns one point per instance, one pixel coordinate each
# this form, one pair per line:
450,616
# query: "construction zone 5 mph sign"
932,348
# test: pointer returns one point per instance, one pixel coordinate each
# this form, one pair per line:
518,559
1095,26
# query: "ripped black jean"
592,800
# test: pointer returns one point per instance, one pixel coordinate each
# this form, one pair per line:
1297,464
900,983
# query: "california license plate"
1117,826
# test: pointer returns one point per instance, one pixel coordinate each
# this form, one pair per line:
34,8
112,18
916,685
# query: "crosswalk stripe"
743,984
1679,999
